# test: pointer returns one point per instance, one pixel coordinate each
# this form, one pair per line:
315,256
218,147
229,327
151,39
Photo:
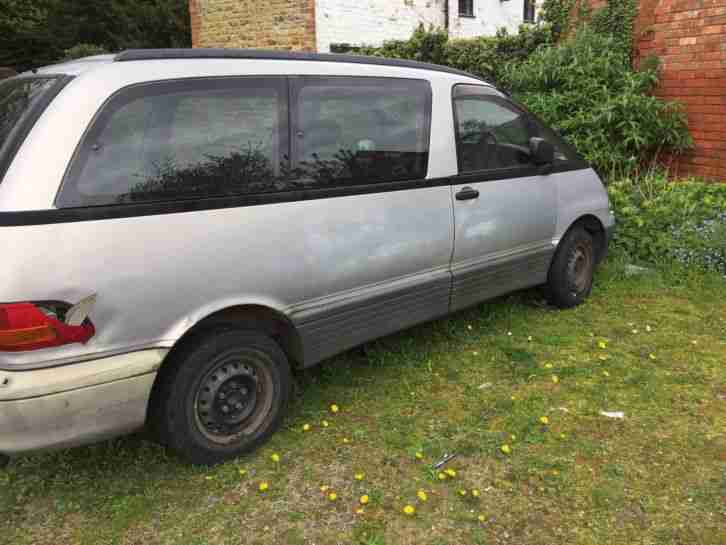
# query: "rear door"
505,210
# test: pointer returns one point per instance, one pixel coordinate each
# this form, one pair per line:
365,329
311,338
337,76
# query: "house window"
466,8
529,10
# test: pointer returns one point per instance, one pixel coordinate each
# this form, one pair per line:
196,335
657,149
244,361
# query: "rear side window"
184,139
22,100
357,130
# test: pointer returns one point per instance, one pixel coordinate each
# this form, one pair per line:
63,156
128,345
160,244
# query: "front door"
505,210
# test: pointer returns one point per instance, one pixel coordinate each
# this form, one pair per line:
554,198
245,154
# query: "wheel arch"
243,316
594,226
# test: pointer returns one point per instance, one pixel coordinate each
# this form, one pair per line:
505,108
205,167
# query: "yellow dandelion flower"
469,327
462,493
475,353
555,472
506,449
548,366
409,510
359,476
563,436
544,419
513,398
529,338
325,423
364,499
346,440
324,488
421,494
306,427
450,472
555,379
481,518
360,511
442,476
242,472
475,493
602,344
651,356
264,487
606,373
334,408
419,455
275,457
332,496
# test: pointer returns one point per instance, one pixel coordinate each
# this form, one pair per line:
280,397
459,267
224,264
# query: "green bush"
587,89
83,50
660,220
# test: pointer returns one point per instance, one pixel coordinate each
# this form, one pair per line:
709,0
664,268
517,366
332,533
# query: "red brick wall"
689,36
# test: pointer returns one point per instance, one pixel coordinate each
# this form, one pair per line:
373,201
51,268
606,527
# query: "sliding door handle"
467,193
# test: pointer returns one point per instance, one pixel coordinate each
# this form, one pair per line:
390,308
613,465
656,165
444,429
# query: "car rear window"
22,100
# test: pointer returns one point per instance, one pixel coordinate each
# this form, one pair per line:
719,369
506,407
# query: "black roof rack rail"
263,54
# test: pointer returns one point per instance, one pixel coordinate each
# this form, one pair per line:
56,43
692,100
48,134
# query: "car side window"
491,135
183,139
359,130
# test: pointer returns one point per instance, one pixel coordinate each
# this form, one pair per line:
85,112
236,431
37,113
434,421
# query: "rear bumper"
75,404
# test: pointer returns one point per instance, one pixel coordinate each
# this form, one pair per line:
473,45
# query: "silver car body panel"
343,270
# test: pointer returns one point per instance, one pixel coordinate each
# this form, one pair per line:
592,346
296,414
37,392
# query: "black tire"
570,277
224,395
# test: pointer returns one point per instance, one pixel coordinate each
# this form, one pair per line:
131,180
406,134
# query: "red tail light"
24,326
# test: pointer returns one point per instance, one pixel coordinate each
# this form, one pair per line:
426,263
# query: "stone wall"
270,24
489,16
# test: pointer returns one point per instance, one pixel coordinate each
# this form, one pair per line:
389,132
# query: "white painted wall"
371,22
489,16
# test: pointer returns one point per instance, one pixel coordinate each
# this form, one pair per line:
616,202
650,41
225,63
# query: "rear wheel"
226,394
570,278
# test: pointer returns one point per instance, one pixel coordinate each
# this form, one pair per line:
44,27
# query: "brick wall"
270,24
689,36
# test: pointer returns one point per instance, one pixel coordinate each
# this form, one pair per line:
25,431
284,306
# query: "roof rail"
262,54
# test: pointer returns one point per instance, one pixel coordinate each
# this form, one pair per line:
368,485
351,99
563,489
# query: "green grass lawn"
653,347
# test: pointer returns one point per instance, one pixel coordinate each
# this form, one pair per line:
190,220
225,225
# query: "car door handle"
467,193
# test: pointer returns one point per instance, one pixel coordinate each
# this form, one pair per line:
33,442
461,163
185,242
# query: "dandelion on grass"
422,496
364,499
306,427
359,476
475,493
506,449
463,493
332,496
264,486
409,510
450,472
555,379
442,476
275,457
602,345
419,455
334,408
544,420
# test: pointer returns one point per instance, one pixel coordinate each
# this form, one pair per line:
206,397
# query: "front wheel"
570,277
226,394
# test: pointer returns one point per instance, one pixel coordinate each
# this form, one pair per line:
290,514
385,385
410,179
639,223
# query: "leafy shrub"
587,89
662,220
83,50
485,56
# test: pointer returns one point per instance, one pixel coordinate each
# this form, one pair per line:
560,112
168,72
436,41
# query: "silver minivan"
181,228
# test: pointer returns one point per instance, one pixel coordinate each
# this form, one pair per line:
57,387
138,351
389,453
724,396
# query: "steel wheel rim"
579,268
233,398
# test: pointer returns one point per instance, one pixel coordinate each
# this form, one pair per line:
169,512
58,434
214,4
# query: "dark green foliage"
40,32
587,89
660,220
83,50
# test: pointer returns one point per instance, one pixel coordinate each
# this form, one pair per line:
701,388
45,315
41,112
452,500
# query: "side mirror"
541,151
